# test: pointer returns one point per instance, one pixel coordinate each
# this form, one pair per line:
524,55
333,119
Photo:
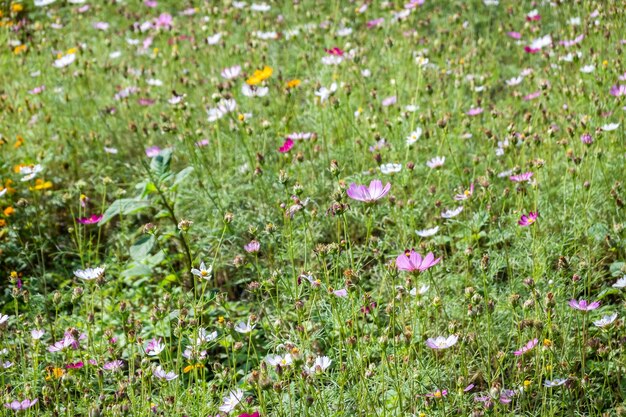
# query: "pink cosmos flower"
437,394
389,101
528,220
466,194
37,90
413,4
576,40
442,342
532,96
152,151
376,22
164,21
342,293
334,51
93,219
252,247
514,35
201,143
23,405
618,90
255,414
151,3
526,176
374,192
146,101
412,261
286,147
101,26
474,111
584,305
527,347
76,365
113,365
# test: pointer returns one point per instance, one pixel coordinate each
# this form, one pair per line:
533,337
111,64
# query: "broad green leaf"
123,206
142,247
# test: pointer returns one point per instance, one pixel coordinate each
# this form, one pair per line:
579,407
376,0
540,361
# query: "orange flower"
2,223
19,49
8,211
188,368
293,83
260,75
18,142
41,185
16,7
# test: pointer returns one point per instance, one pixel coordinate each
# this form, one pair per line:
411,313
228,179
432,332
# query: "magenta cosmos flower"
93,219
21,405
412,261
526,176
527,220
287,145
584,305
374,192
527,347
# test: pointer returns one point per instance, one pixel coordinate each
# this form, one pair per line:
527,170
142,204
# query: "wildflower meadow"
312,208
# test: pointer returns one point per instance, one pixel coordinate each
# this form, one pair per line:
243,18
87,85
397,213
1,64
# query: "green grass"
498,285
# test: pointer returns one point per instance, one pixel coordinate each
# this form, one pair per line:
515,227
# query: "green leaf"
137,270
123,206
180,177
142,247
160,164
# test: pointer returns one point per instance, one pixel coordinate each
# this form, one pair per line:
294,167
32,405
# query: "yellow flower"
188,368
547,342
605,63
56,373
16,7
71,51
220,319
2,223
8,211
18,142
19,49
293,83
260,75
41,185
13,274
527,383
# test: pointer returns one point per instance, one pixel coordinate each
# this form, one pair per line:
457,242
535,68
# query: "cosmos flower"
527,347
514,81
466,194
242,327
93,219
525,177
282,361
286,146
584,305
610,127
113,366
64,61
442,342
203,272
605,320
252,247
254,91
618,90
436,162
588,69
533,16
205,337
24,404
514,35
554,383
412,261
37,334
324,93
89,274
474,111
319,366
374,192
389,101
448,214
390,168
300,135
68,341
342,293
414,136
231,401
527,220
427,232
620,283
154,347
568,43
152,151
421,291
586,139
231,72
159,373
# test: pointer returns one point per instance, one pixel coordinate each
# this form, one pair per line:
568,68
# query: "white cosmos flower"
231,72
442,342
42,3
261,7
390,168
324,93
366,73
242,327
115,54
3,191
161,374
542,42
448,214
64,61
3,318
514,81
154,82
411,108
231,401
344,32
30,171
427,232
205,337
319,366
278,360
422,290
414,136
609,127
491,2
620,283
89,274
554,383
253,91
266,35
203,272
436,162
36,334
605,320
587,69
214,39
332,60
574,21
